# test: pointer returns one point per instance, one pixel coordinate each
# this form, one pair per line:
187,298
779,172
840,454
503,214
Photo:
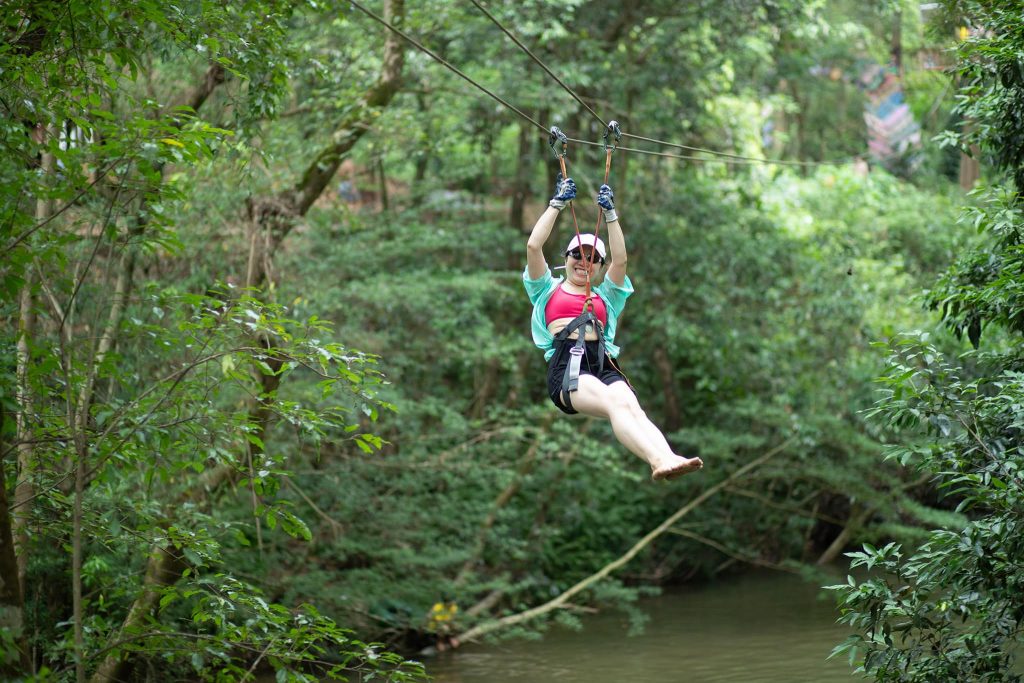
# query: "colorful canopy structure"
894,137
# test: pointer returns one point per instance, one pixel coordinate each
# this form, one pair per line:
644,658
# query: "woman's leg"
622,392
618,404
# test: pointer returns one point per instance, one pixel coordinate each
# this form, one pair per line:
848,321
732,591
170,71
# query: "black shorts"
609,374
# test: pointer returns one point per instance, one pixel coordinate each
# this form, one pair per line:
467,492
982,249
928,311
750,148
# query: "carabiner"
556,135
613,128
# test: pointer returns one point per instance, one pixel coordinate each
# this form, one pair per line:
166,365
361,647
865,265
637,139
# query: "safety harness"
583,322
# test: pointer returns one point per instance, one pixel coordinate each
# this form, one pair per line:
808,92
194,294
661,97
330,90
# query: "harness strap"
571,378
582,323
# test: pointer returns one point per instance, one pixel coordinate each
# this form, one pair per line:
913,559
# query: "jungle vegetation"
269,400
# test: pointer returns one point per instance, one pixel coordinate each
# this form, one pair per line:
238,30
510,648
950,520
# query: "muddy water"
763,628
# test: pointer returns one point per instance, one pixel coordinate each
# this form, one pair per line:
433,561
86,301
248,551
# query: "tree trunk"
858,516
970,169
76,557
382,178
24,489
521,182
896,47
673,418
544,116
12,610
271,219
162,570
800,136
423,158
620,163
122,286
352,129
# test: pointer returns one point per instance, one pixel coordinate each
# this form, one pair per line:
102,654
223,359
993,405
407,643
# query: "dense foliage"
950,608
140,403
269,394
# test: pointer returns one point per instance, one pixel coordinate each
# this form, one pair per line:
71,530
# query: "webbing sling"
571,378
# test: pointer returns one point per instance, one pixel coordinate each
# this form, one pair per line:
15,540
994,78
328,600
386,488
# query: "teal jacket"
541,289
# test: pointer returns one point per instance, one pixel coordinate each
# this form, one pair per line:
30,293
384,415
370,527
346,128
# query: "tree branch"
197,96
351,130
273,217
727,551
561,600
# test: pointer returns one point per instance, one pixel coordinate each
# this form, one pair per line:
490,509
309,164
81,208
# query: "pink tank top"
562,304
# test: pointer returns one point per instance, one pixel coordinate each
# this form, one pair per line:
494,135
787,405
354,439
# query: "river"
759,628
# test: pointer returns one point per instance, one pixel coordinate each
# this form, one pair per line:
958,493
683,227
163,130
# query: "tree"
950,609
136,403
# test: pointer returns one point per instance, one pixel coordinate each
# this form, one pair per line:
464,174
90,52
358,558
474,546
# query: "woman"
582,375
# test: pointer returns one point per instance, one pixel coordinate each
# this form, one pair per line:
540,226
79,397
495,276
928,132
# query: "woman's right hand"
565,191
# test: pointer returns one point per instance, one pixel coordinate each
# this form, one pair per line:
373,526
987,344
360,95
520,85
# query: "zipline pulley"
557,136
613,129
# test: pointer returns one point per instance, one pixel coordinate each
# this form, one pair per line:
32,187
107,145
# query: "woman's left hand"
606,200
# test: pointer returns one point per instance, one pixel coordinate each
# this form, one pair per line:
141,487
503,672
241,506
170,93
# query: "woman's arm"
565,191
616,240
535,263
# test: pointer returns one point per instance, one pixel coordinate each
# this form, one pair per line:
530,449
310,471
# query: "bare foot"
676,468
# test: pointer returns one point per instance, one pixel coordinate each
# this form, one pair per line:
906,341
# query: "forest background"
269,394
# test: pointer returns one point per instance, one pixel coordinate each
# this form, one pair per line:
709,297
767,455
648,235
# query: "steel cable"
597,116
721,157
444,62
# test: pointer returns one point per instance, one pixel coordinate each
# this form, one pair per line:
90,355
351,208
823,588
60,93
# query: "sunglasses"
578,255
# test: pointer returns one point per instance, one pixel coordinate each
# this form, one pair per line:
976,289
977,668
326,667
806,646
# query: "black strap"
570,380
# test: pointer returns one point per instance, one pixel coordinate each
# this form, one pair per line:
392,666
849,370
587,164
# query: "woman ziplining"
574,323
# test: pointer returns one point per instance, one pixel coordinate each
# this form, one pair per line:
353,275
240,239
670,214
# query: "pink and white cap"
587,240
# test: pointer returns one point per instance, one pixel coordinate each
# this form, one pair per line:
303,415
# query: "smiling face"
577,265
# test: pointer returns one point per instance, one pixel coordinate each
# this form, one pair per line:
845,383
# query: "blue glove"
605,199
565,191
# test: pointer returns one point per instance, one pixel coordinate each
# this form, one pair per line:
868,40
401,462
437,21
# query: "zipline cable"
597,116
539,63
722,157
786,162
443,62
718,160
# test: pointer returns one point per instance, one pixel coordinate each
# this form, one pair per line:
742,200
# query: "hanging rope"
557,137
559,143
615,131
